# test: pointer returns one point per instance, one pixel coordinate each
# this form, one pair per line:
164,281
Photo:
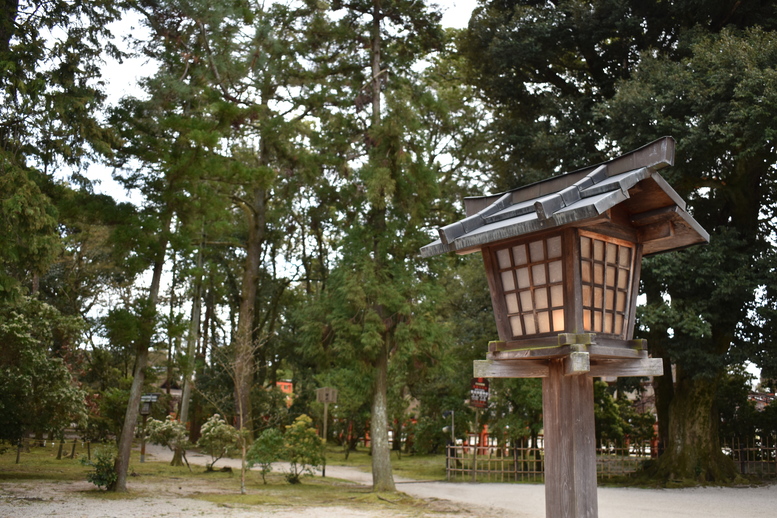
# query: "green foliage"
738,416
302,448
50,53
28,238
429,435
269,405
104,475
617,420
516,409
267,448
610,427
218,438
37,390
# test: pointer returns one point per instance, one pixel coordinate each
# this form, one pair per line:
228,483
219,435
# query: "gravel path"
33,499
528,500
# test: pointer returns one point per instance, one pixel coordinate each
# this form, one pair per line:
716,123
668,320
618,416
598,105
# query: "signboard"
149,398
326,395
478,396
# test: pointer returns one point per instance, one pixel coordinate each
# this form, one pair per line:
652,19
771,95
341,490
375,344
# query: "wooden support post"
570,448
326,420
143,440
477,444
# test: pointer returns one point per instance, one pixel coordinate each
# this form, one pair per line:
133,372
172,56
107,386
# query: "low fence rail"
754,456
526,464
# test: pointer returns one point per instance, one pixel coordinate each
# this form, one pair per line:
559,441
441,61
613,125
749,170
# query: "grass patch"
417,467
40,463
153,478
317,492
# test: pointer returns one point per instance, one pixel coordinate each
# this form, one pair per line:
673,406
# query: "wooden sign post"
478,399
145,410
563,260
326,395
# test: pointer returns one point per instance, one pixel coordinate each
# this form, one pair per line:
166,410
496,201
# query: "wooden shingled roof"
624,197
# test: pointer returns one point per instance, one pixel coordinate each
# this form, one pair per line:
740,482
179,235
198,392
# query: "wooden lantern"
563,259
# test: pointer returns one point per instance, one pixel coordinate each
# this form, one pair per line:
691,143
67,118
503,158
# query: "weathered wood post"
145,410
326,395
570,449
563,260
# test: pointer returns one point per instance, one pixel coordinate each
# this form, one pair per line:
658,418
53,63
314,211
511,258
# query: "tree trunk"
191,343
693,449
244,350
663,388
382,477
121,465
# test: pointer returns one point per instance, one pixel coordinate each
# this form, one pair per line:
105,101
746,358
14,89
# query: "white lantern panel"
508,282
503,258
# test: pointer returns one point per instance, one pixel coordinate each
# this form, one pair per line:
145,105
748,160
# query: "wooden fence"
527,463
756,457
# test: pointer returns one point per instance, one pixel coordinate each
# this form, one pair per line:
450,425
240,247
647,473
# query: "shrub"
171,433
219,439
268,448
303,448
104,475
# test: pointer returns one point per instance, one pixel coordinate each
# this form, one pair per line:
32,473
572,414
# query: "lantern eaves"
655,211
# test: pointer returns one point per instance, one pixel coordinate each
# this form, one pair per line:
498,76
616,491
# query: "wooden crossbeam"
575,364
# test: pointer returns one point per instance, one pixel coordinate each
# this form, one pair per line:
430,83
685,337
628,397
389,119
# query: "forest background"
288,160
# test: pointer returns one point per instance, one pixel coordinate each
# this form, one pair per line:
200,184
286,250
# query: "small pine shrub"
104,474
268,448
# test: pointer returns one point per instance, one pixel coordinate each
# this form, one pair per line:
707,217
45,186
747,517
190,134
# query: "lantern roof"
623,195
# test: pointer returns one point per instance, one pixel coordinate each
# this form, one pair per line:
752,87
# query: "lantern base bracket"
597,368
580,353
554,345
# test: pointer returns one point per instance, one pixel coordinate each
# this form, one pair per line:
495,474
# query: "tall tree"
544,67
578,71
166,150
373,307
719,101
225,129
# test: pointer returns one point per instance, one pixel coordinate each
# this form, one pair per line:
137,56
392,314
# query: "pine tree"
374,307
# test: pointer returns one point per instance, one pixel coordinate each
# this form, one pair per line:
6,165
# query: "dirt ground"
30,499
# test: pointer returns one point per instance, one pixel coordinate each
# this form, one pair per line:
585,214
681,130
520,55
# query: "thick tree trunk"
382,477
693,448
